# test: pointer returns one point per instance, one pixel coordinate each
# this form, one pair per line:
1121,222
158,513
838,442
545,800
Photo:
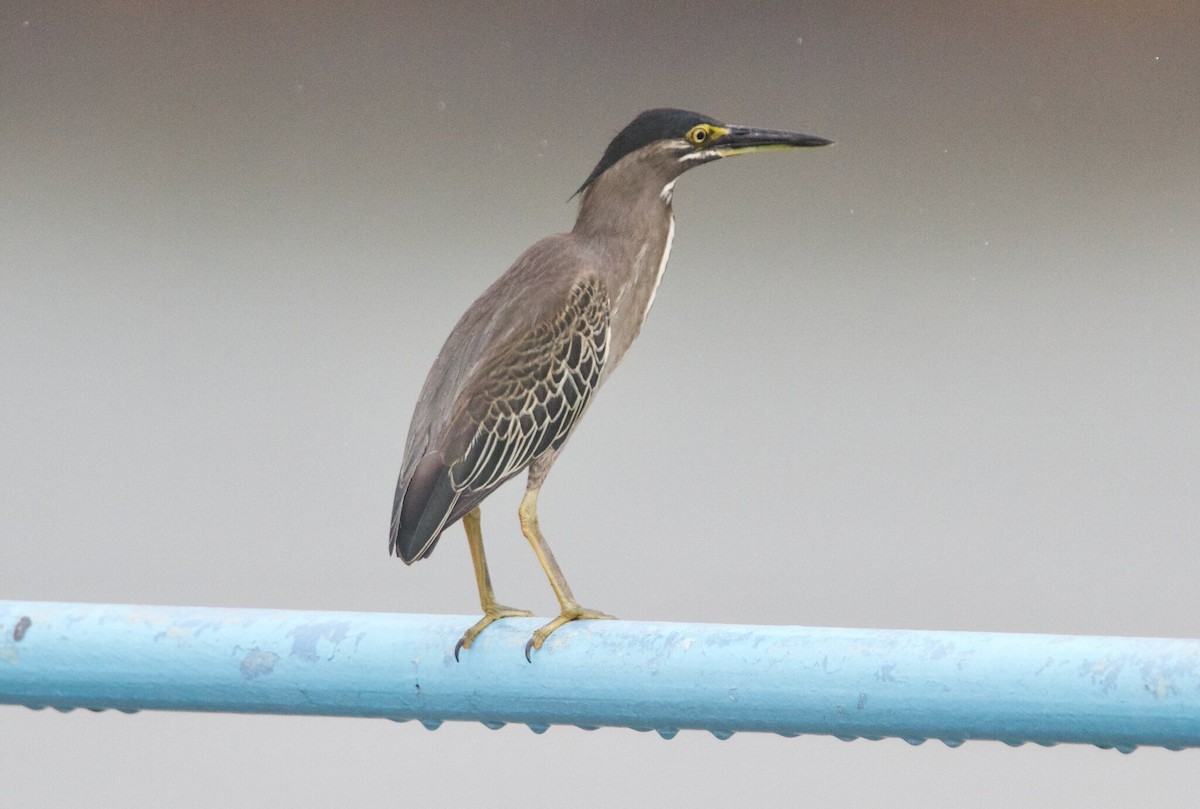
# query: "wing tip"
423,506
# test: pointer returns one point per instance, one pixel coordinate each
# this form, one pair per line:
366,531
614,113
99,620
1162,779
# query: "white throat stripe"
662,266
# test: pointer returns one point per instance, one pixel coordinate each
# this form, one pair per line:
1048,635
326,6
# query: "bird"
523,363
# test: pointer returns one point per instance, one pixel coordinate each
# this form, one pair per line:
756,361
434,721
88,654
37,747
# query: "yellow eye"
699,135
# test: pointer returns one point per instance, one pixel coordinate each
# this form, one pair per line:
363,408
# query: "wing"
531,395
520,403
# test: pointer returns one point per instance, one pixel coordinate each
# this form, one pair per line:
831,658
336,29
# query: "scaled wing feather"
532,394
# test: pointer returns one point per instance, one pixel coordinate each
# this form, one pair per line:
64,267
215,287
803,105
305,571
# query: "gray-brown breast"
508,385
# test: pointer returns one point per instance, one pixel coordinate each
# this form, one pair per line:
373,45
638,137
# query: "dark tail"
422,509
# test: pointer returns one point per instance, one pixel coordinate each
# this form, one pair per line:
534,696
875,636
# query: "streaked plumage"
523,363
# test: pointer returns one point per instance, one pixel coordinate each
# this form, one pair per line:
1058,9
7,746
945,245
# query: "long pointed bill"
744,139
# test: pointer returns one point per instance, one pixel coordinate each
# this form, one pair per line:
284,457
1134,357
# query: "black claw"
528,650
457,647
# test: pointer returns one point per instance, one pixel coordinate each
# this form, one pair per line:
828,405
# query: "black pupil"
699,134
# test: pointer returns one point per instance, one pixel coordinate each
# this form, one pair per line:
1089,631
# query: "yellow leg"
571,611
487,598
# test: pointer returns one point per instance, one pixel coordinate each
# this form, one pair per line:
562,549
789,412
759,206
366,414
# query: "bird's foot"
572,612
495,613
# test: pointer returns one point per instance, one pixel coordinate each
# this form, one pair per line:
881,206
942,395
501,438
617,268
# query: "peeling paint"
175,632
306,640
1162,689
21,628
256,663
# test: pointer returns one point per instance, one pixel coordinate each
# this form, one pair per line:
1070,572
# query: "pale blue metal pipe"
870,683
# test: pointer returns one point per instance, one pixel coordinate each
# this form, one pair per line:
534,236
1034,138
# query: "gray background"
944,374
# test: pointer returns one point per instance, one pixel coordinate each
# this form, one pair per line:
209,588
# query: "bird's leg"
487,598
571,610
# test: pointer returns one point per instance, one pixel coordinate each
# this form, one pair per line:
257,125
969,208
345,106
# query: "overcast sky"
945,374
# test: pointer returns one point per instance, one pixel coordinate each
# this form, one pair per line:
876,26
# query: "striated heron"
522,364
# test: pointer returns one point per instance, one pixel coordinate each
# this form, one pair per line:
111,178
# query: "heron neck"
629,232
621,215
